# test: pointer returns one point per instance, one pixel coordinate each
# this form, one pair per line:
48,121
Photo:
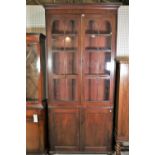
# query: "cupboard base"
120,147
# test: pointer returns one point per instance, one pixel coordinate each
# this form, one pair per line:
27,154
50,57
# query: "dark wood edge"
35,33
80,152
37,153
35,106
80,107
122,140
123,59
83,6
37,37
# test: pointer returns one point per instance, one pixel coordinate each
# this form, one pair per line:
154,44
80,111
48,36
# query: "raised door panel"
35,131
32,135
97,130
123,103
64,129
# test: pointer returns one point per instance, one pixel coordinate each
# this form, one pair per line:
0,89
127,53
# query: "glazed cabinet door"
32,71
63,59
35,68
64,129
98,60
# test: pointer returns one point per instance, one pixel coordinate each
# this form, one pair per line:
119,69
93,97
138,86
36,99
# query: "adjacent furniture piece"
81,48
122,103
35,94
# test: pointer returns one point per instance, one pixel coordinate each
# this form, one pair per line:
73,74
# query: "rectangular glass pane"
65,42
96,89
32,72
98,26
64,47
98,35
64,90
97,63
94,43
64,63
64,26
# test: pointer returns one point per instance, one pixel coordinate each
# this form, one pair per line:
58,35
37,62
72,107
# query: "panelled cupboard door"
64,129
64,59
35,131
96,129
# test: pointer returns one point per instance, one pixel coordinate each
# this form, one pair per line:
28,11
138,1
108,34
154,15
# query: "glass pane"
98,36
64,26
65,89
97,63
96,89
98,26
64,46
95,43
66,43
97,60
32,72
64,63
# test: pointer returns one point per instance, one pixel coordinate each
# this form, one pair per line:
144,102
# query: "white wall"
123,31
35,22
35,16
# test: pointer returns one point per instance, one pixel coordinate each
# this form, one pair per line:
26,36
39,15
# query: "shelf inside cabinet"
97,49
32,99
64,34
92,76
62,49
64,76
93,35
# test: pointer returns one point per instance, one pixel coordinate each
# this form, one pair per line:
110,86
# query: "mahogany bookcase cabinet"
35,94
122,103
81,47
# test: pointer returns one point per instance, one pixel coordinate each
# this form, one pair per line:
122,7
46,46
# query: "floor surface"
122,153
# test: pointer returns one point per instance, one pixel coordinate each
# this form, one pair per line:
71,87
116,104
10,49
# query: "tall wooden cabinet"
122,103
35,94
81,47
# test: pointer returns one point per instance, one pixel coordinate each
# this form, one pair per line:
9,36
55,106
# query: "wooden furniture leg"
118,148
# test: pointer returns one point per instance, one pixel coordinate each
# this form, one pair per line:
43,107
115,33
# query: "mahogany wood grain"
35,132
80,87
97,125
36,138
64,129
122,103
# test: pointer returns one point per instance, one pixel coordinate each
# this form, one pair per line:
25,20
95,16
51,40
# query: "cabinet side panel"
123,103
